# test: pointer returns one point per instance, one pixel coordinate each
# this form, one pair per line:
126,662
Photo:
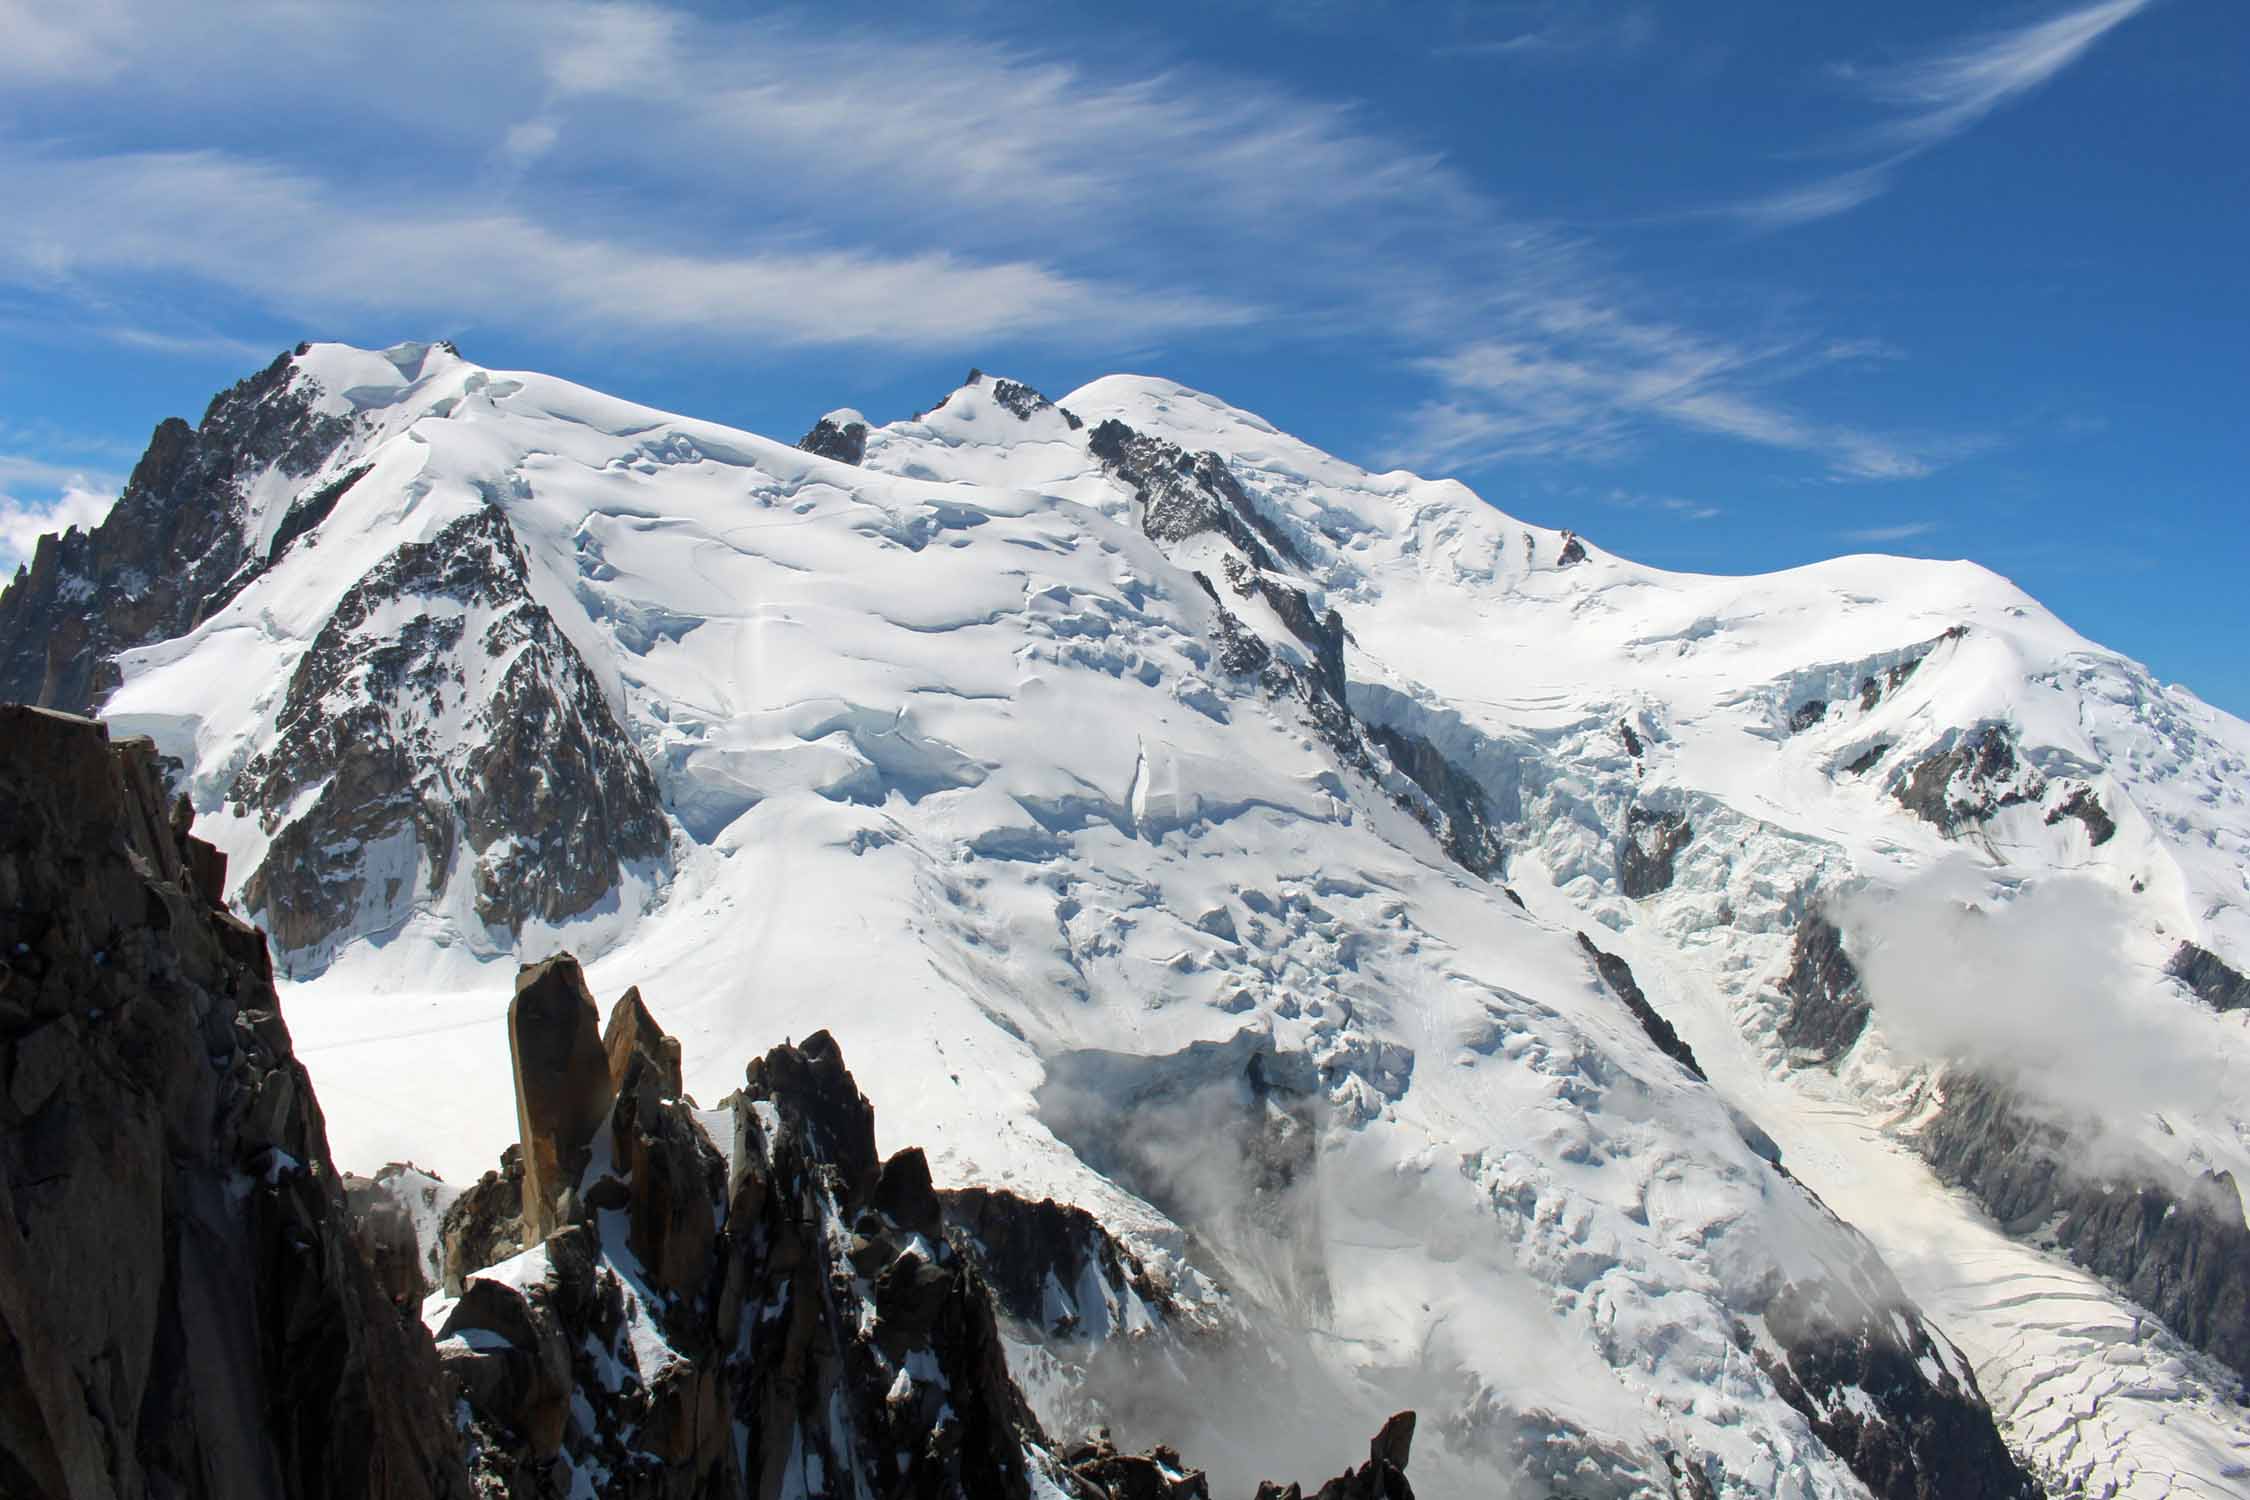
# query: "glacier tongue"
1181,823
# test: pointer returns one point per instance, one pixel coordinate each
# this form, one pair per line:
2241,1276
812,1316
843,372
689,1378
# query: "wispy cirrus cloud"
1590,383
1686,510
1935,97
1571,28
1902,531
664,177
280,235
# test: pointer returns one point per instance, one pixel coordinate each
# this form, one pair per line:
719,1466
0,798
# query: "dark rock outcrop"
183,1308
1020,399
1617,975
2087,808
1468,828
1827,1006
1022,1249
547,792
384,1232
170,553
633,1032
1877,686
1646,848
1100,1472
563,1089
2180,1249
484,1225
1181,494
1883,1393
2213,980
845,441
1323,633
1962,786
695,1330
1573,551
1382,1477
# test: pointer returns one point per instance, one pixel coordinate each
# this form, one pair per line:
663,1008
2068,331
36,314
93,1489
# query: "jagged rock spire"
563,1087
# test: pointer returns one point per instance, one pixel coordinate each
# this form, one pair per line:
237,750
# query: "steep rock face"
2211,978
1469,828
793,1316
1888,1395
440,707
1014,396
1646,849
1382,1477
183,1308
169,553
1618,976
1827,1007
1052,1268
1182,493
2182,1251
563,1087
633,1032
1970,780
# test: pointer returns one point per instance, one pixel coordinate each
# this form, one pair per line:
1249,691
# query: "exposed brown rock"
484,1225
1159,1474
183,1309
633,1030
562,1083
677,1177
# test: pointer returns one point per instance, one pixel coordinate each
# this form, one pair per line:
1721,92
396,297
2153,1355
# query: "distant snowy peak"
1510,910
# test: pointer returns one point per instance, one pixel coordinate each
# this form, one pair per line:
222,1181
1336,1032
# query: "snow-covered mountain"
1684,1035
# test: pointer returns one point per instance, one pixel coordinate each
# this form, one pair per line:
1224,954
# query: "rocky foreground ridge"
646,1300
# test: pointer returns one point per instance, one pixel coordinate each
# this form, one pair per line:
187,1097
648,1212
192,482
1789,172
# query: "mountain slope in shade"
1180,823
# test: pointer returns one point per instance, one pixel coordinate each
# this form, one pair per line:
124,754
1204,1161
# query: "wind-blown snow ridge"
959,763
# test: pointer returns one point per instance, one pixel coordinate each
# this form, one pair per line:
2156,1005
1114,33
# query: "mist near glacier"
2033,984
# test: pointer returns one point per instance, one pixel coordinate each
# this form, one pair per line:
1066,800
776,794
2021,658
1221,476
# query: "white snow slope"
953,775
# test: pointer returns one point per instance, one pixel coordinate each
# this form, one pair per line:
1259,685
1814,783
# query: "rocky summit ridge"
1337,947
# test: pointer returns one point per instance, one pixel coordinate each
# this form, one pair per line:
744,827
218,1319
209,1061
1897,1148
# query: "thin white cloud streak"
155,341
1571,31
1823,198
1686,510
1935,98
1593,382
1947,92
1903,531
270,233
777,183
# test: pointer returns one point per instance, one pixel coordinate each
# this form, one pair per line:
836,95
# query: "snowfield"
953,769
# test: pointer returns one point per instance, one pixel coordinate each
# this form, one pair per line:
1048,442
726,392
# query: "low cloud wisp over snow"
2033,987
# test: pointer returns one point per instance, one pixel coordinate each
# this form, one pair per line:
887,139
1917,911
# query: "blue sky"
1725,286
